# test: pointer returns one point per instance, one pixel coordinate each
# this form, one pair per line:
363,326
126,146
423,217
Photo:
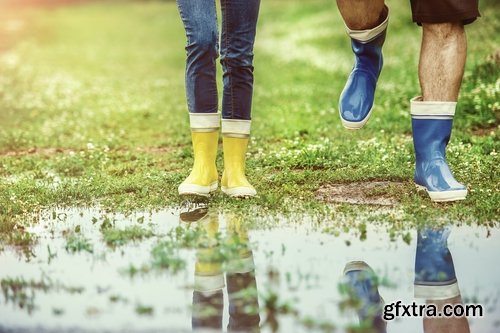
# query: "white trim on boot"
204,122
421,109
436,292
366,36
236,127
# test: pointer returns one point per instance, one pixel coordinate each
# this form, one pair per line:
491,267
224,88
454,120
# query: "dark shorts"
444,11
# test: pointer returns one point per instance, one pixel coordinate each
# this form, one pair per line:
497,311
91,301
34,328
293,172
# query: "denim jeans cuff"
236,127
204,122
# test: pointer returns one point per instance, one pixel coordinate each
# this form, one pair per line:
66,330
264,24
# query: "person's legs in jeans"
200,23
239,21
366,23
442,60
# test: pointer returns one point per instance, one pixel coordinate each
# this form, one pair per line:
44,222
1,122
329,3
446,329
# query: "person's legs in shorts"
441,67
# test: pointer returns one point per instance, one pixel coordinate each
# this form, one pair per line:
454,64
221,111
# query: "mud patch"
380,193
485,131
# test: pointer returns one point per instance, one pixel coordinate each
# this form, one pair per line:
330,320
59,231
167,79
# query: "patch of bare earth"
490,130
378,193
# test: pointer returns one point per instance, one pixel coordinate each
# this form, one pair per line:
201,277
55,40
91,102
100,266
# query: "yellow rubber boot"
208,276
203,178
240,261
208,268
234,181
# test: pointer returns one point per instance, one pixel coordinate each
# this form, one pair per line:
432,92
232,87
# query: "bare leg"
441,68
361,14
445,325
442,61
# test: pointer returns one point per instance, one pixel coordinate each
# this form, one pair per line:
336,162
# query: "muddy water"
200,269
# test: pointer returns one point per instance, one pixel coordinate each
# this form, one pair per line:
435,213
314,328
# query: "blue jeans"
239,20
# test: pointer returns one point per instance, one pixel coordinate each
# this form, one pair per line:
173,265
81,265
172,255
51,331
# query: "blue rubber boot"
356,100
431,124
435,277
362,286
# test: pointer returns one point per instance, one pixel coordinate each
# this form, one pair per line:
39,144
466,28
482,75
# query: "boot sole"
355,125
239,192
357,266
198,190
444,196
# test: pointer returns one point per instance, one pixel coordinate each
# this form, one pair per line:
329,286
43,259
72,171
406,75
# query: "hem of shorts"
467,17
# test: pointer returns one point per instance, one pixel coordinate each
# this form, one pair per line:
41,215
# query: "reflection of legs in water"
445,325
240,277
434,270
207,309
243,303
435,280
208,301
362,289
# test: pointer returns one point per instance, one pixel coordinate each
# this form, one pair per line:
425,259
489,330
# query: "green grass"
77,243
22,293
117,237
93,111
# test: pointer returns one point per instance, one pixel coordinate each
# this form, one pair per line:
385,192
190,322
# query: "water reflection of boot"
434,270
240,278
208,301
362,288
436,282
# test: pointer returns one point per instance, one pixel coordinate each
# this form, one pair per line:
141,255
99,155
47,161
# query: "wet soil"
361,193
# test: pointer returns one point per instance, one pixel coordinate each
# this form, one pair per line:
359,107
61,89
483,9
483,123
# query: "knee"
446,32
238,60
203,42
238,53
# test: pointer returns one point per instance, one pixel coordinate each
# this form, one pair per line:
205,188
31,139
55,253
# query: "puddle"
178,270
361,193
